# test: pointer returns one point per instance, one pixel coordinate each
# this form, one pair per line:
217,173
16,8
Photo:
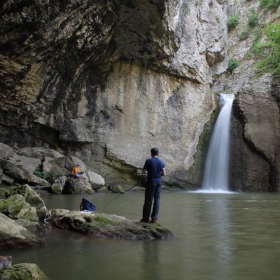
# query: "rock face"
24,271
107,226
107,80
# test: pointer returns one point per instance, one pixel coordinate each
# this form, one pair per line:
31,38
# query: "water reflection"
150,260
217,216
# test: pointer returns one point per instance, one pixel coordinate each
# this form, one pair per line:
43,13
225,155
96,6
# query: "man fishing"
154,168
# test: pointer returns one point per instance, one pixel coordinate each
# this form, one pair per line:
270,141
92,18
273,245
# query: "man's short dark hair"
154,152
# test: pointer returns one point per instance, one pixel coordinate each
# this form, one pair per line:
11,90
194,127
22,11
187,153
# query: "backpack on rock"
87,205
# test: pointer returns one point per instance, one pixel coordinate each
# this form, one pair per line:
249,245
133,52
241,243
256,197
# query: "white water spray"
217,162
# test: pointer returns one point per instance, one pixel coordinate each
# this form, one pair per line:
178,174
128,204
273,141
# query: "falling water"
217,162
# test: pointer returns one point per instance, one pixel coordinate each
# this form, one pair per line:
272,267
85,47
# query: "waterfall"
217,162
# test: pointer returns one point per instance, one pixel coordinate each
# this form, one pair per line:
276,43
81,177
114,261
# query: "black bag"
87,205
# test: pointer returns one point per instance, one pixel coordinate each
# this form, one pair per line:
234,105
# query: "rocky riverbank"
24,220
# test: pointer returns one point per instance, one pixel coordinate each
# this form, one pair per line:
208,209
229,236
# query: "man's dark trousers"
152,192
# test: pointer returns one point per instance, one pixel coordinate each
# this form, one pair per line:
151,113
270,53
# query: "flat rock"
107,226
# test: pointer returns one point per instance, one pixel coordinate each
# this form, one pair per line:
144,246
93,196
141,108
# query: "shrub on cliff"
244,34
232,22
270,4
253,19
232,64
271,51
48,176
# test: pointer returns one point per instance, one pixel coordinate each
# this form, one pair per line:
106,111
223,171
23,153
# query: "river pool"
216,237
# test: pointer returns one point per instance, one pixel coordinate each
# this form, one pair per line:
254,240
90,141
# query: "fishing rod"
141,177
137,184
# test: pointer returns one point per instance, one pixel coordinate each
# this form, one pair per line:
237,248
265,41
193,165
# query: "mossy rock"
30,195
4,192
22,271
56,189
108,226
24,203
16,207
117,189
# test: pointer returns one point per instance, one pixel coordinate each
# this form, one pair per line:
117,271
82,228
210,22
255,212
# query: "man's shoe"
154,220
143,221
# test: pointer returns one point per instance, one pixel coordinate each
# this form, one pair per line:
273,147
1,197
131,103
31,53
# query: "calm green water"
217,236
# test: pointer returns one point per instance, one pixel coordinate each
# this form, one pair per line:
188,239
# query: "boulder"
16,207
35,227
30,196
22,169
77,185
23,271
116,189
5,151
58,185
39,166
23,164
24,203
95,179
39,153
7,179
63,165
107,226
13,235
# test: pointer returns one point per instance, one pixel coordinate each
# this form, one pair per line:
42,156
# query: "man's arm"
144,171
163,173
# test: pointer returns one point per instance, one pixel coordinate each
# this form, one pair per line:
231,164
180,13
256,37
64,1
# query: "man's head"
154,152
78,165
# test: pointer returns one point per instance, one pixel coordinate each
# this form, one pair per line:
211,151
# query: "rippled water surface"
217,236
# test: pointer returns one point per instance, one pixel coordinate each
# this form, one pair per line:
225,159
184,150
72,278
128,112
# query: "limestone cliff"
107,80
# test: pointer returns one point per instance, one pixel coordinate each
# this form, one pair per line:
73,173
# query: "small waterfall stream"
217,162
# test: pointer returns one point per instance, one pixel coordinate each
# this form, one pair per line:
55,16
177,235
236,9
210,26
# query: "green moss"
4,192
246,90
56,189
22,271
117,189
104,221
